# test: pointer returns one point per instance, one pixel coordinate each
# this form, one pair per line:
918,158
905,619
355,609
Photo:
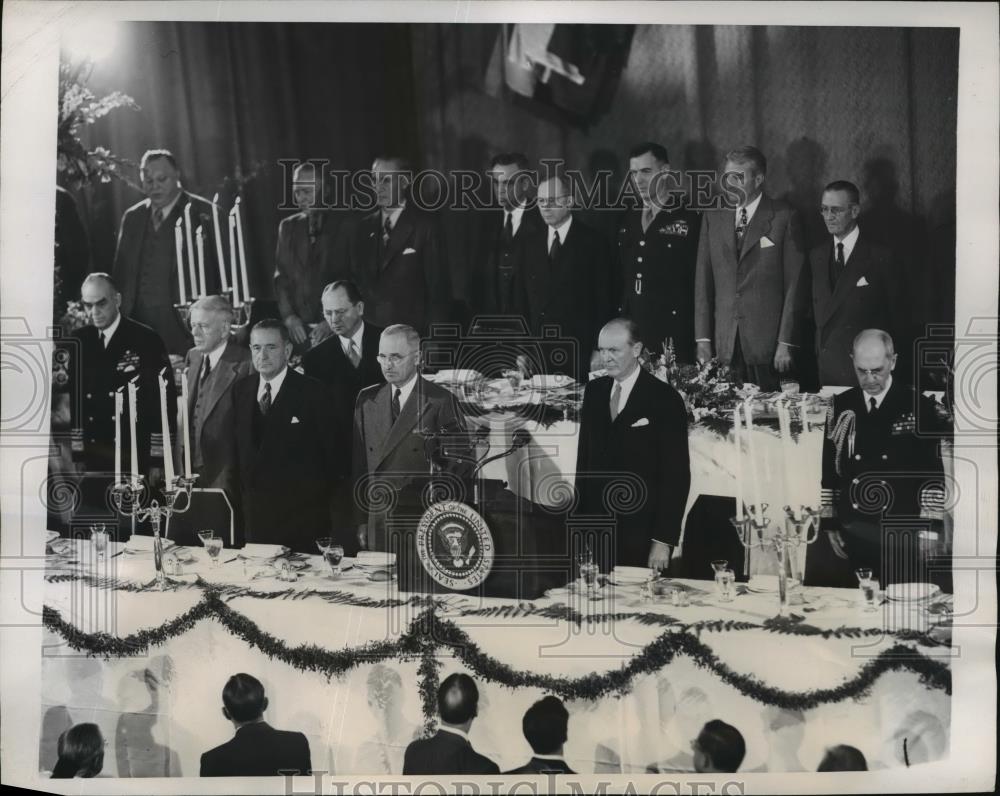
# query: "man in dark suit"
499,234
883,482
402,429
449,751
718,748
544,727
634,426
108,354
257,749
746,283
288,452
312,252
396,256
212,366
145,267
854,284
567,275
657,253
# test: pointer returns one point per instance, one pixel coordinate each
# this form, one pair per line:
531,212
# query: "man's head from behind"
270,347
211,322
399,353
874,358
544,726
161,179
619,347
719,748
843,758
100,299
343,308
458,700
243,699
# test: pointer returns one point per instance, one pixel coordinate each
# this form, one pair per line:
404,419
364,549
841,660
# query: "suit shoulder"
594,385
368,393
142,204
142,332
290,221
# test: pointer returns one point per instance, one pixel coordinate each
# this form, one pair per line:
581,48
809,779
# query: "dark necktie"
840,259
353,354
554,248
872,406
508,229
157,218
265,399
386,231
395,404
741,227
315,224
205,371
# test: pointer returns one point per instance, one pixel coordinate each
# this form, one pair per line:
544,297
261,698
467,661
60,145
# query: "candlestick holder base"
242,313
184,310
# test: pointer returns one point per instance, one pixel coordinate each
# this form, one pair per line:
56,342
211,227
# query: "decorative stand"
128,496
242,313
799,529
184,310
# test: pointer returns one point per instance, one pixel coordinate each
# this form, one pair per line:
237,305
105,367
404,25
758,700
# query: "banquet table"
354,664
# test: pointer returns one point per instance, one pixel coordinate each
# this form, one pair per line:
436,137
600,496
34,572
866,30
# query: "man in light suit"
311,253
396,256
145,266
635,426
746,281
213,365
402,429
854,285
288,454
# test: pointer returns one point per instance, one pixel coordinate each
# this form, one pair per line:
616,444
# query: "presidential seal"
455,545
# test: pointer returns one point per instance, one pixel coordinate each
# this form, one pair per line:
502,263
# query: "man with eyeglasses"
567,276
402,430
854,283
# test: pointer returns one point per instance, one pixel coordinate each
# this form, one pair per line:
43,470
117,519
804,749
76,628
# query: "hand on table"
659,556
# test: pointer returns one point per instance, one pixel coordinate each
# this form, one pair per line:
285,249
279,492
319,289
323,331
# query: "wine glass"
204,536
719,566
726,581
213,546
323,543
863,574
333,555
99,537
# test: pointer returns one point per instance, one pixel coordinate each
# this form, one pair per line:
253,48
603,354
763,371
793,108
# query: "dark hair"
458,699
723,744
658,151
403,163
351,289
272,323
81,751
748,154
853,194
243,696
158,154
544,725
518,159
843,758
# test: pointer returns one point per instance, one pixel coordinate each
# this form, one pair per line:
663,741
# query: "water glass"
323,543
213,546
333,555
99,537
204,536
863,574
514,378
789,386
869,594
725,582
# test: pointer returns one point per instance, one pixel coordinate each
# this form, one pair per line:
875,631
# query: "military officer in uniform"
657,253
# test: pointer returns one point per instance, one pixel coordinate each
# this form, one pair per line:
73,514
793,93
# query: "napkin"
253,550
371,559
144,544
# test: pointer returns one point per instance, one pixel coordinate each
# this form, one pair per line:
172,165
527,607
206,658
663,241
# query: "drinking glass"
863,574
333,555
869,594
514,378
99,537
204,536
323,543
588,573
213,546
726,582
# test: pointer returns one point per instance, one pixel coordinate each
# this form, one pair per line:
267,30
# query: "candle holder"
128,501
241,315
184,310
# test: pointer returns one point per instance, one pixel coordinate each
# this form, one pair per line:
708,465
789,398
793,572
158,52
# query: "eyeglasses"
555,201
393,359
833,211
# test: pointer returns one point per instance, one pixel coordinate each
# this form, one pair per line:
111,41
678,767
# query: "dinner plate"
144,544
911,592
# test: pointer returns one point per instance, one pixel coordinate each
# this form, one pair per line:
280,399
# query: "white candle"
118,435
243,252
751,450
200,246
133,412
787,452
179,247
233,257
737,433
223,281
168,457
185,427
190,248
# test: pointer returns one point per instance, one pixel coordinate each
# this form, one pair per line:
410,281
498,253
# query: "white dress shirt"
393,215
108,332
562,230
626,386
879,397
515,218
275,383
404,390
215,355
849,240
750,208
168,208
345,342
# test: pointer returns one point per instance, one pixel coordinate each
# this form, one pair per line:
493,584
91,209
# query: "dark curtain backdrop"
873,105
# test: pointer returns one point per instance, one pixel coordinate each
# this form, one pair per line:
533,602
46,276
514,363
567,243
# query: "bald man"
109,353
882,477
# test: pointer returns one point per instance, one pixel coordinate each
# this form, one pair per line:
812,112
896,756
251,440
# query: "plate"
911,592
144,544
253,550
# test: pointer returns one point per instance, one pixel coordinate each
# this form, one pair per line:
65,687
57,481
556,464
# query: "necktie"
104,339
741,227
157,217
205,370
872,406
386,230
554,248
616,396
508,229
265,399
353,354
395,404
647,218
315,223
840,258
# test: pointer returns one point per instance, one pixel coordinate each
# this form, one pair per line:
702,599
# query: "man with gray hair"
215,362
402,432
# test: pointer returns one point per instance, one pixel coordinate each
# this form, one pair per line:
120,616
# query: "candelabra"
128,501
184,310
800,528
242,313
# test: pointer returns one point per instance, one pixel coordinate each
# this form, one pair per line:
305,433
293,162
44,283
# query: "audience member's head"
744,171
81,752
874,358
512,179
211,322
243,699
544,726
343,307
161,177
399,353
718,748
100,299
392,176
555,200
843,758
458,700
270,347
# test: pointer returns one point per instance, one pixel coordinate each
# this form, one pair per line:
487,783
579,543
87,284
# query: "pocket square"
294,419
409,251
766,242
862,282
642,421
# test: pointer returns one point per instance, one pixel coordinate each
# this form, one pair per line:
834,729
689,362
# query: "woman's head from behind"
81,752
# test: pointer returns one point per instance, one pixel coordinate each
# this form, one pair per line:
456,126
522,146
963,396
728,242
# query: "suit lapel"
409,416
281,411
848,279
397,238
821,281
728,230
193,371
228,372
759,226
